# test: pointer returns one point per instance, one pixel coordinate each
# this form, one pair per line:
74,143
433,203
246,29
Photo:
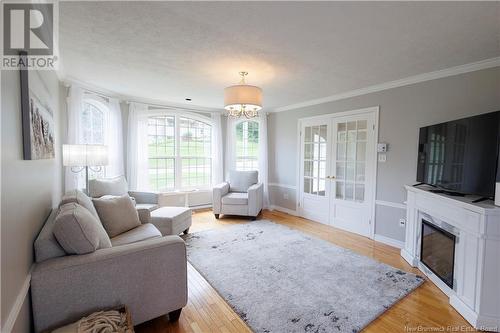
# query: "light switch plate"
382,158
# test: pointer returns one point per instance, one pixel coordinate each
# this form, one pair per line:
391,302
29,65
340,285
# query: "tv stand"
476,289
450,193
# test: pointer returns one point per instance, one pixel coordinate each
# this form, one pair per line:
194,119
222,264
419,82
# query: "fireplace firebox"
437,251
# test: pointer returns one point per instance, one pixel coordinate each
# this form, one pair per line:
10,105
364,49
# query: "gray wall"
403,111
29,190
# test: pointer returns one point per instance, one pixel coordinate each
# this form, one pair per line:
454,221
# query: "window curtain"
263,156
74,103
217,148
114,139
230,153
137,147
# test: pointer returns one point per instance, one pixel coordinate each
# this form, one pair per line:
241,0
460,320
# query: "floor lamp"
85,157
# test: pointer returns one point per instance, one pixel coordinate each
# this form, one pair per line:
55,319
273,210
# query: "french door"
315,143
337,170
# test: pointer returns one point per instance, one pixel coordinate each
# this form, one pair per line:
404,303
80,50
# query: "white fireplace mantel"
476,291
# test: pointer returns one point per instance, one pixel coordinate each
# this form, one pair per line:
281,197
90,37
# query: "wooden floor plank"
207,311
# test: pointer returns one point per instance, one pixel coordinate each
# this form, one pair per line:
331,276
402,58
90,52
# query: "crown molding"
471,67
68,81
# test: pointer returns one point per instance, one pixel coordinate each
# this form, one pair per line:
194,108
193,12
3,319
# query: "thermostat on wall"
382,147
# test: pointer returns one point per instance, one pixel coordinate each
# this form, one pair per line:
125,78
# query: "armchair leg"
216,216
254,218
186,231
174,315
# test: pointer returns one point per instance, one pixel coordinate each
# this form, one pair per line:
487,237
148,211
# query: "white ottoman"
171,220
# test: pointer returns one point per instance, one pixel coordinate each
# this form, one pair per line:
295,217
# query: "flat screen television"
461,156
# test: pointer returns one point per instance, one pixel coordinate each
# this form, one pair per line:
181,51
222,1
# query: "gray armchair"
241,195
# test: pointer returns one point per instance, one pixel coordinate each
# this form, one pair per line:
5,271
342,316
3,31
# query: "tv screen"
461,155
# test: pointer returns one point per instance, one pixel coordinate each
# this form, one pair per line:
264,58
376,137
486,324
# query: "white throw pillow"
78,231
117,214
108,186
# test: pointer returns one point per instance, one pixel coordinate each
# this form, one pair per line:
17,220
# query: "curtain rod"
170,107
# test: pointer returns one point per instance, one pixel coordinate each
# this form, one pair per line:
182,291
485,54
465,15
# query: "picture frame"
38,127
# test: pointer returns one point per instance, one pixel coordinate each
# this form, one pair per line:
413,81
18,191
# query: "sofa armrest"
66,288
144,215
218,192
255,199
145,197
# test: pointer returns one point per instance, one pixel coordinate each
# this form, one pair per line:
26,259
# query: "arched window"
179,153
93,120
247,145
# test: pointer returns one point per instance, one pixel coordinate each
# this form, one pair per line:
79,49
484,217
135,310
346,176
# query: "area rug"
282,280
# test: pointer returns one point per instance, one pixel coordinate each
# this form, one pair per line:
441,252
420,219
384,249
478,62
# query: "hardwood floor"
426,307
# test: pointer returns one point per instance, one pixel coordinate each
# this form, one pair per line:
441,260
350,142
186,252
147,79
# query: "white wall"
29,190
403,111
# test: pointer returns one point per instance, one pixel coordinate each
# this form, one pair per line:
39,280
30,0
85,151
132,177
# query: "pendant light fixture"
243,99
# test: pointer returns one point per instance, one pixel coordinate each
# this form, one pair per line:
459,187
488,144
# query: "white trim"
390,204
16,308
291,187
451,71
284,210
389,241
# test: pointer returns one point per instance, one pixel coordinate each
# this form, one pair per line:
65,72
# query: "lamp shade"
85,155
243,96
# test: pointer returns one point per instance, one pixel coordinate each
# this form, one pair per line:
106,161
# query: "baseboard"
389,241
283,209
16,308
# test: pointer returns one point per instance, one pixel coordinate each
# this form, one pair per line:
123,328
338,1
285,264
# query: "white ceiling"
296,51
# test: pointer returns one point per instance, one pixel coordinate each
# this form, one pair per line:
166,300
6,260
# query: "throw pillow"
108,186
78,231
117,214
80,198
240,181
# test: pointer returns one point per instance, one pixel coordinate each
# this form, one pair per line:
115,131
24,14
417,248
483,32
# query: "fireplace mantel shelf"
476,290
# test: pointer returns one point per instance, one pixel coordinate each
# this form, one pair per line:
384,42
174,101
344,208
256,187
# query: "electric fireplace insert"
437,251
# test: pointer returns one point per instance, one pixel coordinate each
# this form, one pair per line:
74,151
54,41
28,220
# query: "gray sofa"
138,268
241,195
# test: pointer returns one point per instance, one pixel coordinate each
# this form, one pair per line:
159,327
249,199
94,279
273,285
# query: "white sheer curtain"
217,149
230,153
114,139
137,147
74,103
263,156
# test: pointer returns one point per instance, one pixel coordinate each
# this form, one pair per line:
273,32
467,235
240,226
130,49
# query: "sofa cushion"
142,232
80,198
108,186
118,214
235,198
240,181
46,245
78,231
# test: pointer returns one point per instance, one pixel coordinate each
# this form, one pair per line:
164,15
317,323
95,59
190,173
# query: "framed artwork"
37,116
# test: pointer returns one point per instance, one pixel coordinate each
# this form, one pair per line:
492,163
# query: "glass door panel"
315,155
350,160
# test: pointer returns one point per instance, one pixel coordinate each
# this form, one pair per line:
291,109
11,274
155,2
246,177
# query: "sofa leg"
186,231
216,216
174,315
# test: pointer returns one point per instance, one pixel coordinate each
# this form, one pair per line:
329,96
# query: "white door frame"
375,110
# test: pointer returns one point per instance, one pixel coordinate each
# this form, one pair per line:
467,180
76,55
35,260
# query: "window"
247,145
92,125
179,153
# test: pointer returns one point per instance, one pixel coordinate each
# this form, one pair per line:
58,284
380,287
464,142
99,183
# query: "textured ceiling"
296,51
